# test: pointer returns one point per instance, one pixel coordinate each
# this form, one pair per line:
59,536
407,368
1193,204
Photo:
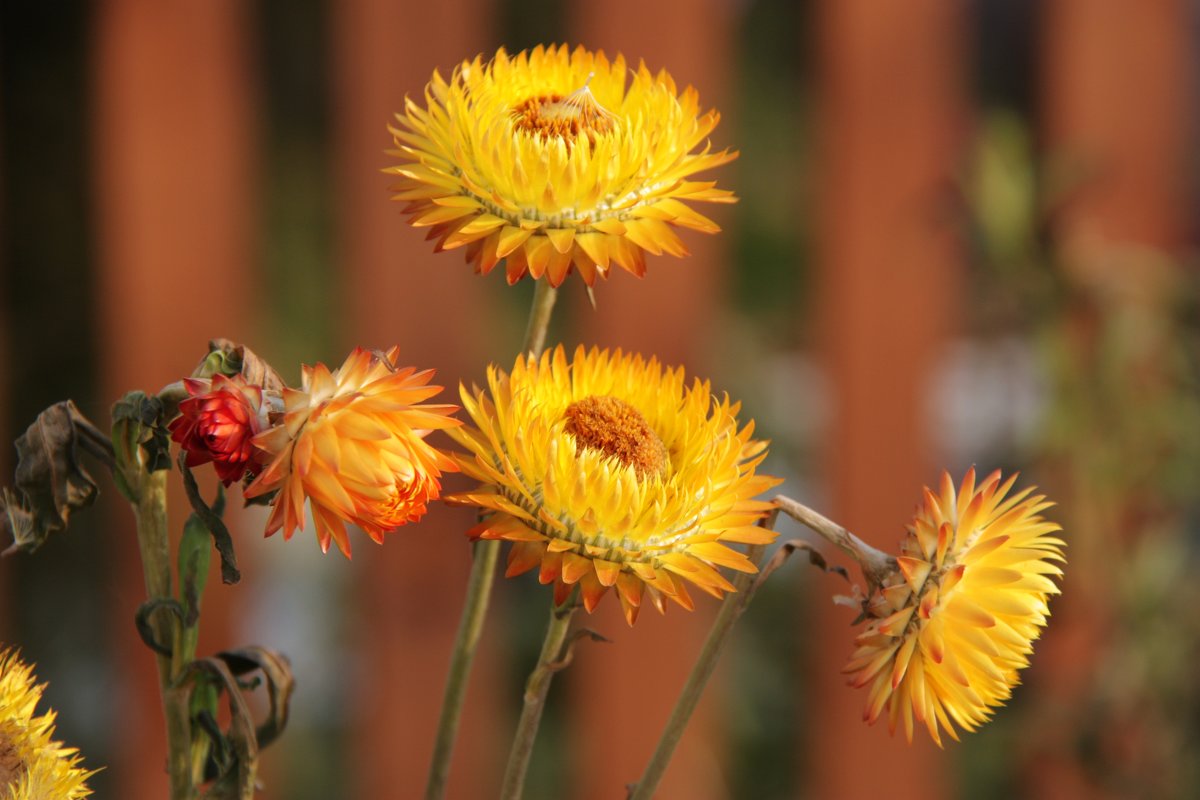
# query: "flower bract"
352,443
32,765
217,423
554,160
956,620
608,471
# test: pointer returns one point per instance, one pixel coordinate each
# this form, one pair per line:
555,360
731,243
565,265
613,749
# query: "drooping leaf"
276,671
233,752
50,482
787,549
212,521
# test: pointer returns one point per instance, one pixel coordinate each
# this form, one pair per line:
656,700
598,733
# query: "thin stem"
875,563
155,546
479,589
718,636
544,296
536,689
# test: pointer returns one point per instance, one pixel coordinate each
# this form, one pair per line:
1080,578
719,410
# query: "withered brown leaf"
50,481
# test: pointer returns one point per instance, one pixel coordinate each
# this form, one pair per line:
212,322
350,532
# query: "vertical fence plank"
890,86
1118,117
1122,121
6,464
624,692
6,461
397,291
174,198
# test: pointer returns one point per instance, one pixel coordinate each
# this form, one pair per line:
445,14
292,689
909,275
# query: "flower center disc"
566,117
616,429
11,765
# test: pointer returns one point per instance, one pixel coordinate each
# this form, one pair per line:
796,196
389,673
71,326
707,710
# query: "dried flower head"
553,159
32,765
956,620
352,443
607,471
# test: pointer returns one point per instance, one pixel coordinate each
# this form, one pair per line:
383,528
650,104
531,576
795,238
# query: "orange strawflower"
352,443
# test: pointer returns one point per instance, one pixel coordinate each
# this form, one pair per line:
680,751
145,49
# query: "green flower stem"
479,590
536,689
718,636
150,507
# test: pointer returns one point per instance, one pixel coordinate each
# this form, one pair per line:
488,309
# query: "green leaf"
50,481
195,554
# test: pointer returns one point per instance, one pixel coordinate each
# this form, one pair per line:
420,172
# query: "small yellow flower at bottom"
32,765
609,472
955,622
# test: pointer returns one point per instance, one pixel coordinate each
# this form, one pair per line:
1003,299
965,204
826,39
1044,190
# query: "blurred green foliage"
1117,328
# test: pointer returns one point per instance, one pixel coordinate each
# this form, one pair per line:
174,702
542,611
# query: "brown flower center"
616,429
12,767
566,117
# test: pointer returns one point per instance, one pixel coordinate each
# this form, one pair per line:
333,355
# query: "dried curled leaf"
211,519
145,626
233,752
140,437
228,358
50,482
568,651
277,672
787,549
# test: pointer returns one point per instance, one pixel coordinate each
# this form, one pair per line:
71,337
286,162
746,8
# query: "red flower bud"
217,424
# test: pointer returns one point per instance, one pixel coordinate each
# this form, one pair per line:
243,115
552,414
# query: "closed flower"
217,423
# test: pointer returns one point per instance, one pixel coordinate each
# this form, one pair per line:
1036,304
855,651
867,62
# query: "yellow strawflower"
955,622
32,765
555,159
608,471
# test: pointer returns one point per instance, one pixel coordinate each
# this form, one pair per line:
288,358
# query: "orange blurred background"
965,236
